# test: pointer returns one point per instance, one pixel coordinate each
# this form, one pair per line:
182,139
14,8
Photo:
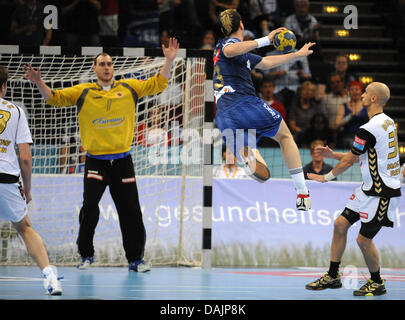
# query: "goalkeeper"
106,114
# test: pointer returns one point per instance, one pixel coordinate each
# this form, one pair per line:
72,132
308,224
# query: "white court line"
360,269
168,290
393,277
5,279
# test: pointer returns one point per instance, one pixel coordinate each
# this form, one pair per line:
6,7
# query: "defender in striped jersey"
14,131
375,202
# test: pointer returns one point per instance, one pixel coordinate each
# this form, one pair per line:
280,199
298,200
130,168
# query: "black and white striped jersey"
377,145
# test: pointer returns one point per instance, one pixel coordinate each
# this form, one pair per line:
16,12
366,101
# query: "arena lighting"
366,79
354,57
330,9
342,33
402,149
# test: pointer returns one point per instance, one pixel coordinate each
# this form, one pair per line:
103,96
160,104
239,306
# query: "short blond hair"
229,21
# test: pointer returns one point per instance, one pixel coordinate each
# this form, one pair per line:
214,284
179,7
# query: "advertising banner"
253,223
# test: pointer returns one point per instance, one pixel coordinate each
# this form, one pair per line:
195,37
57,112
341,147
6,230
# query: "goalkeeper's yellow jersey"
107,118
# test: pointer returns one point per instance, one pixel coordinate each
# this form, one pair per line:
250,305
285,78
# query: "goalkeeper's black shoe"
85,263
371,288
325,282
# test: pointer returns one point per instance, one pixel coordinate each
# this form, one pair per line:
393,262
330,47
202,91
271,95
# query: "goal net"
166,150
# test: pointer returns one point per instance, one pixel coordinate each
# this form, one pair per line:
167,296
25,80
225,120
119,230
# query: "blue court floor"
170,283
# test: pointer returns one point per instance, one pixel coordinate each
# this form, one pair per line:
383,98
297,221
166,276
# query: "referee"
106,113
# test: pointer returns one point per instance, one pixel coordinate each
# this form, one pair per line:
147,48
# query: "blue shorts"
246,122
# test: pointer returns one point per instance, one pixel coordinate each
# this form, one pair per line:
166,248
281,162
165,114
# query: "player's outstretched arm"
326,152
238,48
35,76
170,54
273,61
345,163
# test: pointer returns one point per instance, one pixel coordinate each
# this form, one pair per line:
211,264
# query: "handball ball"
285,41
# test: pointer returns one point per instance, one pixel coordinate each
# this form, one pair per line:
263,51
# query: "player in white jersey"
14,131
375,202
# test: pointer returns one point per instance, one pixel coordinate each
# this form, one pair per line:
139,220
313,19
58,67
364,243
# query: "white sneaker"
303,202
144,267
52,284
139,266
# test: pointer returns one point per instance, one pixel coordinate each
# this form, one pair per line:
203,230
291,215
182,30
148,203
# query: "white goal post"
173,166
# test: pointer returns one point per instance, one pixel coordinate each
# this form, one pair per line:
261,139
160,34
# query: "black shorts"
369,229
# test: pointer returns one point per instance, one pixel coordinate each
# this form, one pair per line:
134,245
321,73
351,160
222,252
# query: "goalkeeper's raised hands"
170,54
32,74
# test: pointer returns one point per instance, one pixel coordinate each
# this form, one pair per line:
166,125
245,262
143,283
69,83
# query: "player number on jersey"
4,117
393,144
219,80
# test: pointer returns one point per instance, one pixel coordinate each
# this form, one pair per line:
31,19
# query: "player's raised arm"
238,48
35,76
170,54
273,61
232,27
58,98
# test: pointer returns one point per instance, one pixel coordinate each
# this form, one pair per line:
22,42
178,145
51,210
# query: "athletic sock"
47,271
334,269
297,175
375,276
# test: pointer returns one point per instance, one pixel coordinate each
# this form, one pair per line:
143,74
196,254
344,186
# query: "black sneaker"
371,288
85,263
325,282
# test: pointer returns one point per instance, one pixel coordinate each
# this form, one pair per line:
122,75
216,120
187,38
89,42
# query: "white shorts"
368,207
12,202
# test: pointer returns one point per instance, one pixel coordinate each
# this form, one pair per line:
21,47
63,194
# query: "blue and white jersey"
232,78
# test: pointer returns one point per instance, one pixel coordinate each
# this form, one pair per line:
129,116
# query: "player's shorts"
246,122
373,212
12,202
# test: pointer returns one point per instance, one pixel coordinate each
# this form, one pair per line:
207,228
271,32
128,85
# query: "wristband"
329,176
263,42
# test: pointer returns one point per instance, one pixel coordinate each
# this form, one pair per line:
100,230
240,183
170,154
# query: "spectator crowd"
318,103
